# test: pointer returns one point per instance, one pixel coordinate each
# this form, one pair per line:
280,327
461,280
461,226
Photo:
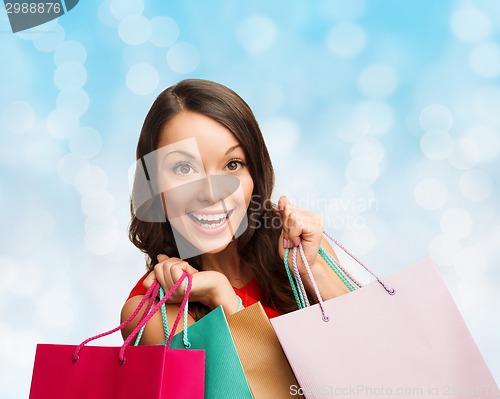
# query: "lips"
210,220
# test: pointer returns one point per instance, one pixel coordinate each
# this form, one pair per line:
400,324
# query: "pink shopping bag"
127,372
401,337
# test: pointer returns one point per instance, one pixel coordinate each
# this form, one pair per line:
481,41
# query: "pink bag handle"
325,317
151,293
390,291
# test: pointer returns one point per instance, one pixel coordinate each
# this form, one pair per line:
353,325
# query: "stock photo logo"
26,14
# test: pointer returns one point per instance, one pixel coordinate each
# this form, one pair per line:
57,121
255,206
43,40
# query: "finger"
149,280
282,241
176,273
185,266
160,271
283,205
294,229
282,202
162,257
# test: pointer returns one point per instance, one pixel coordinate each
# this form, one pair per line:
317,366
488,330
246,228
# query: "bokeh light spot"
431,193
85,142
377,116
470,24
257,33
70,50
476,184
456,223
378,81
368,148
122,9
91,180
70,75
346,40
62,122
486,139
78,100
134,30
464,154
362,171
485,60
51,40
142,79
183,58
436,117
436,144
164,31
343,10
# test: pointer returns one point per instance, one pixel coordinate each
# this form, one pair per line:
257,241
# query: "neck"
227,262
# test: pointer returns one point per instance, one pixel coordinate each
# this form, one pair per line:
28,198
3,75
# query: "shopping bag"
266,367
401,337
224,375
127,372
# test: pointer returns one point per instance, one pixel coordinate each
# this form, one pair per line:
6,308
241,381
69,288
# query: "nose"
217,188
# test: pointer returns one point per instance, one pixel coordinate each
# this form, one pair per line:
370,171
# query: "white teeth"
217,219
209,217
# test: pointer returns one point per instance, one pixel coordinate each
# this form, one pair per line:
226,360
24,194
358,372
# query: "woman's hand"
299,226
208,287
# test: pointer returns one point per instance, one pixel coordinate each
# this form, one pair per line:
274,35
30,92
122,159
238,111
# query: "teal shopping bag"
224,375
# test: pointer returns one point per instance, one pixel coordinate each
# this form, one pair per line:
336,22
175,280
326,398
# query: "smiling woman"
201,204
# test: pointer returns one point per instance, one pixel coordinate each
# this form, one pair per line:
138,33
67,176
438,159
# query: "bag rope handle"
301,287
390,291
339,270
325,317
351,283
185,339
156,308
152,292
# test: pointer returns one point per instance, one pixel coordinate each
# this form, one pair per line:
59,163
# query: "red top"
249,294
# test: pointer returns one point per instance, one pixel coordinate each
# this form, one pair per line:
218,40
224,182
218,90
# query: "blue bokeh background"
382,116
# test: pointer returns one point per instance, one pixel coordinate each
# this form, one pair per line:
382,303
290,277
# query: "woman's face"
204,182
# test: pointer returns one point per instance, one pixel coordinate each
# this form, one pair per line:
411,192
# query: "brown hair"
258,246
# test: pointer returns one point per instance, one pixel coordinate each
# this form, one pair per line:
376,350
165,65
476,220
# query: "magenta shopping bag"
127,372
401,337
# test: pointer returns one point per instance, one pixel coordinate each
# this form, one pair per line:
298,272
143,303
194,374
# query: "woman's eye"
183,169
235,165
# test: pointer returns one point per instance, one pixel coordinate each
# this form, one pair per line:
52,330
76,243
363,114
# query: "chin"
217,250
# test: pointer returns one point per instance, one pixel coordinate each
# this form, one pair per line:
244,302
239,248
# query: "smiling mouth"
210,220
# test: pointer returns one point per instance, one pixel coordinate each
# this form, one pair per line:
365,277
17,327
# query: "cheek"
173,206
247,188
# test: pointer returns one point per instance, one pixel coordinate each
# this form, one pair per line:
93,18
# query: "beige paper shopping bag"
266,367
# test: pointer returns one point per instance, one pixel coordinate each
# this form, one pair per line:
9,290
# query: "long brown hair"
258,246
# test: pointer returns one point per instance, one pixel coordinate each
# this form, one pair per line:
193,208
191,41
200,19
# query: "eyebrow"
232,148
187,154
